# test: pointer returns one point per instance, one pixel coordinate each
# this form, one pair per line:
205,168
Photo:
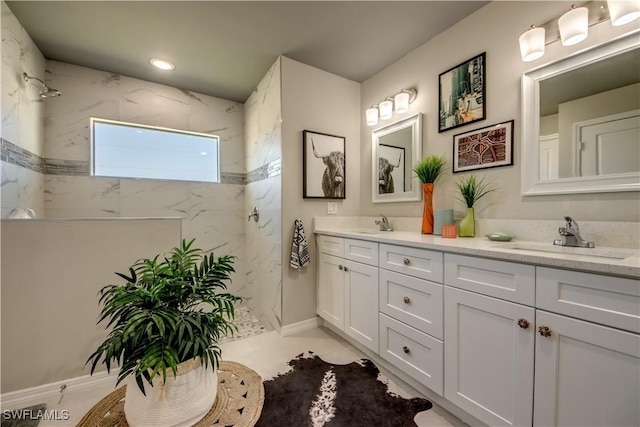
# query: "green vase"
468,225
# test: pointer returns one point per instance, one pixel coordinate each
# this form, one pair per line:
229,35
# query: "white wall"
22,118
315,100
52,271
493,29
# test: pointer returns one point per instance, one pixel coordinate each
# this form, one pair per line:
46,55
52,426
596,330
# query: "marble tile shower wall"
22,119
212,213
263,141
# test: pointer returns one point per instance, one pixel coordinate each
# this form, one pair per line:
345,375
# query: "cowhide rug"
315,393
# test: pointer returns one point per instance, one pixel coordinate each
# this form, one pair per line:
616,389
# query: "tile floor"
267,353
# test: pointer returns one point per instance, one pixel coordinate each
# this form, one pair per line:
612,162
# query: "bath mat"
24,417
238,402
315,393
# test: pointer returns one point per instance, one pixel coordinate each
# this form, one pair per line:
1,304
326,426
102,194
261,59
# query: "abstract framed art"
488,147
461,94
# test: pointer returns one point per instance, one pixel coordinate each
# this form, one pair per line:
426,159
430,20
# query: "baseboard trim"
297,327
19,398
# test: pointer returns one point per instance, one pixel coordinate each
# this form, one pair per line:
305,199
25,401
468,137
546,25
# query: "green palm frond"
170,310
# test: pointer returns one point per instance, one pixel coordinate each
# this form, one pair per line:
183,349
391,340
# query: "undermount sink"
592,252
365,231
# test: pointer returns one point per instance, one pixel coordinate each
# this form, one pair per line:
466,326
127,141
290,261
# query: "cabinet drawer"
611,301
420,263
505,280
330,245
413,352
415,302
361,251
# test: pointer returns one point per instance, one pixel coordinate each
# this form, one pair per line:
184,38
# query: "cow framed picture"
461,94
323,165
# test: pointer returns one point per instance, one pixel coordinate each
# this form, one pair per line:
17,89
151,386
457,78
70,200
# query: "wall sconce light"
372,115
623,11
532,44
385,109
574,26
403,99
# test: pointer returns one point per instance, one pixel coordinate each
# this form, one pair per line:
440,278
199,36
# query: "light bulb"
532,44
623,11
386,109
372,116
574,26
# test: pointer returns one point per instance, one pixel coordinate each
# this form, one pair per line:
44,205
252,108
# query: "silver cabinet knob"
345,268
406,350
544,331
406,300
340,267
406,261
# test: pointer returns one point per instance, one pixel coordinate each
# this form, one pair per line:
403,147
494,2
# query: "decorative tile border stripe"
269,170
13,154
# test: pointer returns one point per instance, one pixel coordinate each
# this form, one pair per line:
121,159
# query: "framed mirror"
581,122
396,148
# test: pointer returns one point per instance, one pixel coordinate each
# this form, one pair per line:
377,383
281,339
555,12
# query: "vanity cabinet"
488,341
348,289
509,343
411,322
587,369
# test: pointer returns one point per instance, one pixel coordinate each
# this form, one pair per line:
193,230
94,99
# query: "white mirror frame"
415,123
530,132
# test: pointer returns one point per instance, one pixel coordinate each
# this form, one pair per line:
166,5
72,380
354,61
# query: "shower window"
127,150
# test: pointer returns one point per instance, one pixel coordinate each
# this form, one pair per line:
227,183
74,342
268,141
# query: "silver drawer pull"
406,350
406,261
406,300
340,267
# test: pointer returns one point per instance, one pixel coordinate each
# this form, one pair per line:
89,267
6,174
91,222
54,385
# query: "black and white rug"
315,393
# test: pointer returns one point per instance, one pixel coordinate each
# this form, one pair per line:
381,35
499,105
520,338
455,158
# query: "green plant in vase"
471,189
166,320
428,170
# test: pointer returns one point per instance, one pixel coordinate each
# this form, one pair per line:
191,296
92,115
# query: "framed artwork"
391,167
323,167
487,147
461,94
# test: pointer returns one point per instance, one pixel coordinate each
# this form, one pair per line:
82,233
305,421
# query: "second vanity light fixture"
573,25
385,109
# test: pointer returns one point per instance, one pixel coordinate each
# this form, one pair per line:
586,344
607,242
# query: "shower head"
46,92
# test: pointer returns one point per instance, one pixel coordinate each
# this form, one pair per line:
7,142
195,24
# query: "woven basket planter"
182,400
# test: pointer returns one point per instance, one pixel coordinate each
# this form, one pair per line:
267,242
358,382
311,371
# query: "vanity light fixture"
386,109
532,44
162,64
623,11
574,25
372,115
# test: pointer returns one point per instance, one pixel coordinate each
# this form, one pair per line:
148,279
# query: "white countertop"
529,252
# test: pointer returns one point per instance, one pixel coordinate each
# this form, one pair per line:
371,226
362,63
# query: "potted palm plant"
428,170
166,321
471,190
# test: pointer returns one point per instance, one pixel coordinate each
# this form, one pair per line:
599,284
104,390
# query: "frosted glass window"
127,150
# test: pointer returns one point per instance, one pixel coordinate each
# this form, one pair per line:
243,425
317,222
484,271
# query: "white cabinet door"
361,303
489,357
331,289
586,374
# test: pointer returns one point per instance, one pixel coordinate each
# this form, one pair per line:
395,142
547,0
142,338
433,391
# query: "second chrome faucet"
384,223
570,235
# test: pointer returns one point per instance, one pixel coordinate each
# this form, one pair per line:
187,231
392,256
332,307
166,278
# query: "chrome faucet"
384,223
570,235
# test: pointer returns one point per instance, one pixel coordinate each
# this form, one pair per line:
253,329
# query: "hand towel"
299,247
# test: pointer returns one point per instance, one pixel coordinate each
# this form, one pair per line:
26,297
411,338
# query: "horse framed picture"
323,167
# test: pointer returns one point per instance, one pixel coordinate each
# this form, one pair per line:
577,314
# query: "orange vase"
427,213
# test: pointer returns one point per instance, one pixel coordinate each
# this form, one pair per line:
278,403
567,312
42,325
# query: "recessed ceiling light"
162,64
